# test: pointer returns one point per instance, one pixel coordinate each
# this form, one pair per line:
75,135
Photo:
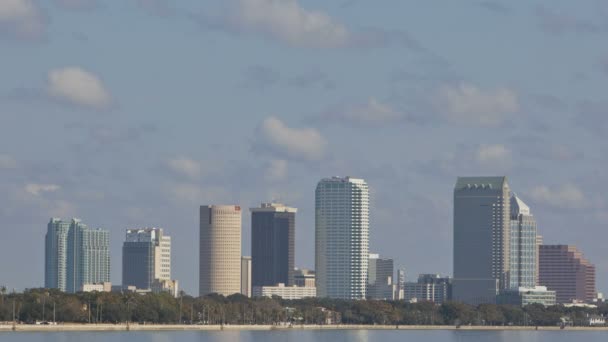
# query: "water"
309,336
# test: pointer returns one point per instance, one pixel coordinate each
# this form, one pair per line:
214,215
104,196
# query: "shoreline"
185,327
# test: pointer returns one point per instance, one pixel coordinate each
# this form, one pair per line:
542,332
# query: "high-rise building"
220,250
429,288
523,246
272,244
400,291
56,254
304,277
481,238
146,257
75,255
539,242
246,276
88,256
341,237
563,269
380,273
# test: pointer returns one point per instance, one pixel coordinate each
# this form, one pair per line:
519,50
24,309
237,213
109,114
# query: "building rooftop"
480,182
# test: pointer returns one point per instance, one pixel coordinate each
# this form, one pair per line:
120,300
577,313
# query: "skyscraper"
380,274
56,254
523,247
272,244
246,276
75,255
146,256
341,237
481,238
562,268
220,249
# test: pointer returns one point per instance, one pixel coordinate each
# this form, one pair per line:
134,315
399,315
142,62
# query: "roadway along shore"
177,327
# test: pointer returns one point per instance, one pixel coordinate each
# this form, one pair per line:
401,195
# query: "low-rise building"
429,288
97,287
304,277
170,286
285,292
523,296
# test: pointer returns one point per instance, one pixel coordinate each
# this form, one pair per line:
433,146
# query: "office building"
165,285
523,246
400,291
380,272
429,288
523,296
539,242
563,269
285,292
481,238
75,255
341,237
246,276
272,244
146,257
220,250
304,277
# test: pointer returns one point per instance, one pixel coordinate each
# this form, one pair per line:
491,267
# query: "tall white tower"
341,237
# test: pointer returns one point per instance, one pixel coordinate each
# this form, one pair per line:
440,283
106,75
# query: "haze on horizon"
133,113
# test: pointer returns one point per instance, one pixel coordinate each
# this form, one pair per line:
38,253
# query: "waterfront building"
430,288
481,238
285,292
220,250
246,276
304,277
165,285
146,257
564,269
75,255
341,237
523,246
523,296
380,272
272,244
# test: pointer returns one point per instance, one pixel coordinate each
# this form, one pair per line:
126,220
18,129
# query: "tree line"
110,307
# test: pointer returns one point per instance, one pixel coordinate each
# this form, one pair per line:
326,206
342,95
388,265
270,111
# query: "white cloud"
370,112
38,189
287,21
185,166
78,86
493,154
276,170
21,19
196,194
568,196
275,137
470,104
7,162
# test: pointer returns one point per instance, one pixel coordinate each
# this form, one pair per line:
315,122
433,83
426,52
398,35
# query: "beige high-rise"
220,249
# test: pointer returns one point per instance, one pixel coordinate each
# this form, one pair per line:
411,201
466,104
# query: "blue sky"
133,113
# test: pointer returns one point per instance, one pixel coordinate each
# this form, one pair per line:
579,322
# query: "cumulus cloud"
470,104
7,162
185,166
567,196
21,19
492,154
274,137
38,189
371,111
78,86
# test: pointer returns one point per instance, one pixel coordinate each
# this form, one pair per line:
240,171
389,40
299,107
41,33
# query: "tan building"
563,269
246,276
220,250
285,292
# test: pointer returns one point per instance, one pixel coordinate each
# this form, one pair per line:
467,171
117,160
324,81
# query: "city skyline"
194,102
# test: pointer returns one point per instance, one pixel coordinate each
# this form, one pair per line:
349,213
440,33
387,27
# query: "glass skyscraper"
75,255
341,237
146,257
523,246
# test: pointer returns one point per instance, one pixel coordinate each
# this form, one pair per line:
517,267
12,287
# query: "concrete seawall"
176,327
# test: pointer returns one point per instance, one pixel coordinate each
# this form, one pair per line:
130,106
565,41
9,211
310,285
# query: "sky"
133,113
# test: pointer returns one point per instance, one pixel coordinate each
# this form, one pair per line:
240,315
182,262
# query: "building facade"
220,250
563,269
75,255
380,273
429,288
481,238
272,244
341,237
246,276
146,257
523,296
523,246
285,292
304,277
